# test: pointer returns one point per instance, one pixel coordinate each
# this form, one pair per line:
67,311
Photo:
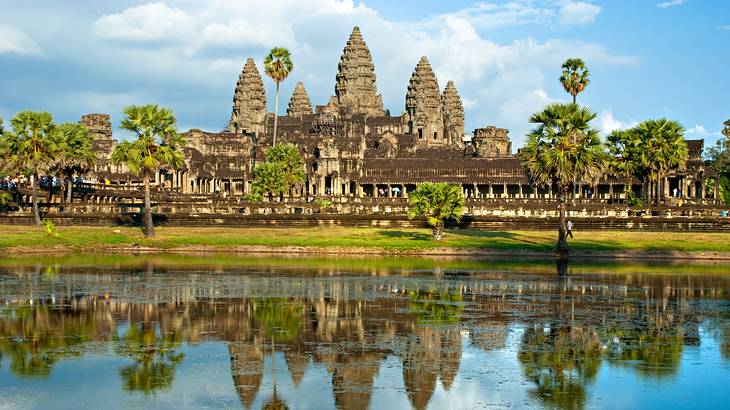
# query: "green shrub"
50,228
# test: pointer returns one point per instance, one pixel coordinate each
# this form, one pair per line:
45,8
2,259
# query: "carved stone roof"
423,100
299,103
249,99
453,109
457,170
356,87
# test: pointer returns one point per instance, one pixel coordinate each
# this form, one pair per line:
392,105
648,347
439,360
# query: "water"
199,332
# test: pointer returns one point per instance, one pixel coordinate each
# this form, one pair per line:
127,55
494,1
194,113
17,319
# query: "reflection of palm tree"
653,352
435,308
154,355
560,362
281,319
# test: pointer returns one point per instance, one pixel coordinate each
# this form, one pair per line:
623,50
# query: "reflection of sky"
485,380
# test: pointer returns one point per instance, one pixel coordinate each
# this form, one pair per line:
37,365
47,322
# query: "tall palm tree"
665,148
157,145
575,76
725,129
278,65
439,202
563,148
76,154
30,148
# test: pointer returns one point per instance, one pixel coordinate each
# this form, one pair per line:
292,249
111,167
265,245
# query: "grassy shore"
19,239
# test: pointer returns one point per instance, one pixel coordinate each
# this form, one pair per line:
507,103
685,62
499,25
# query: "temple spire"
356,88
423,105
453,111
249,101
299,103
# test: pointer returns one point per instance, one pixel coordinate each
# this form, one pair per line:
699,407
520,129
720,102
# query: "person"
569,225
674,192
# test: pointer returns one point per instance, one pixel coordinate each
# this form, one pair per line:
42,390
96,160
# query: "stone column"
520,190
504,191
491,191
476,190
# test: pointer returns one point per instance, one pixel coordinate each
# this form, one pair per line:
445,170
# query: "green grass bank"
342,240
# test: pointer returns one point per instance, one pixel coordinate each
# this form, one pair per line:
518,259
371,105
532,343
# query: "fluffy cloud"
153,22
608,123
578,13
698,130
15,41
670,3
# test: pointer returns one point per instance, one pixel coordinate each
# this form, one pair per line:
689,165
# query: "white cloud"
153,22
241,32
670,3
13,40
578,13
609,123
725,27
698,130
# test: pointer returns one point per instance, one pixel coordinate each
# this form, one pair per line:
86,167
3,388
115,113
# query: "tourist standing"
569,225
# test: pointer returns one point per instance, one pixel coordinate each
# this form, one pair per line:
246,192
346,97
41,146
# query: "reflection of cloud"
13,40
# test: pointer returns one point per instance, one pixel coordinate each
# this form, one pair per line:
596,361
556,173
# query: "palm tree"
292,163
76,155
725,129
278,65
439,202
574,76
157,145
30,148
665,148
561,149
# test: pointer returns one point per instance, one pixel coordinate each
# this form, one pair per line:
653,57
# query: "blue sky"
648,58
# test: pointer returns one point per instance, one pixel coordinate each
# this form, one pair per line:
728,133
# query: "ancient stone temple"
299,103
354,148
423,106
249,101
355,82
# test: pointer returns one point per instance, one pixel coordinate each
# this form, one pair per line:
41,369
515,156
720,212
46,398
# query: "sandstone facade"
299,103
355,86
249,101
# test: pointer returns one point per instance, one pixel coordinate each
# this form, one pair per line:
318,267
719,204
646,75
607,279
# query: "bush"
50,228
323,203
634,200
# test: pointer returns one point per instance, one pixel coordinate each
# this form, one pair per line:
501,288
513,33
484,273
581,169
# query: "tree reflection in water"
348,326
155,357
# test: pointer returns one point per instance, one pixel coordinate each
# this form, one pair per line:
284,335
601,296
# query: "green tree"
666,151
291,161
627,157
278,65
575,77
76,154
30,149
562,149
439,202
268,178
157,145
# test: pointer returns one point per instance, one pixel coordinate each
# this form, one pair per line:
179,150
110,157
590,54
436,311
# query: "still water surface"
225,332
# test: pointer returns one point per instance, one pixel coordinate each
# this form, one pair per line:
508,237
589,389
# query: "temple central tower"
356,88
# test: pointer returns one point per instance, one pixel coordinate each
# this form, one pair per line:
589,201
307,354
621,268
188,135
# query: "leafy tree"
268,178
76,153
278,65
292,163
726,129
666,150
439,202
627,157
157,145
30,148
562,149
575,76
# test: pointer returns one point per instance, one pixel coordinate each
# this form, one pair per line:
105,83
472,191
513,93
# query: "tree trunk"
149,229
574,95
276,112
69,189
562,247
438,231
36,212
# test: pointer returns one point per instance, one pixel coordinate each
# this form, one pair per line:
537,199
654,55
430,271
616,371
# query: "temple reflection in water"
567,327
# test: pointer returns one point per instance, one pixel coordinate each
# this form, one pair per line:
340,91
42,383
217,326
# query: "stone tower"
423,106
249,101
491,142
453,111
355,87
100,127
299,103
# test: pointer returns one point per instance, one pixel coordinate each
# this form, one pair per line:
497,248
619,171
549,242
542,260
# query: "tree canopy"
438,202
575,77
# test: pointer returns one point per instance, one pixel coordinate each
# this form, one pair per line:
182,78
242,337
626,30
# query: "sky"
647,58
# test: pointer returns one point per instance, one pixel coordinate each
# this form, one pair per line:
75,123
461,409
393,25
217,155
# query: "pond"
221,331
